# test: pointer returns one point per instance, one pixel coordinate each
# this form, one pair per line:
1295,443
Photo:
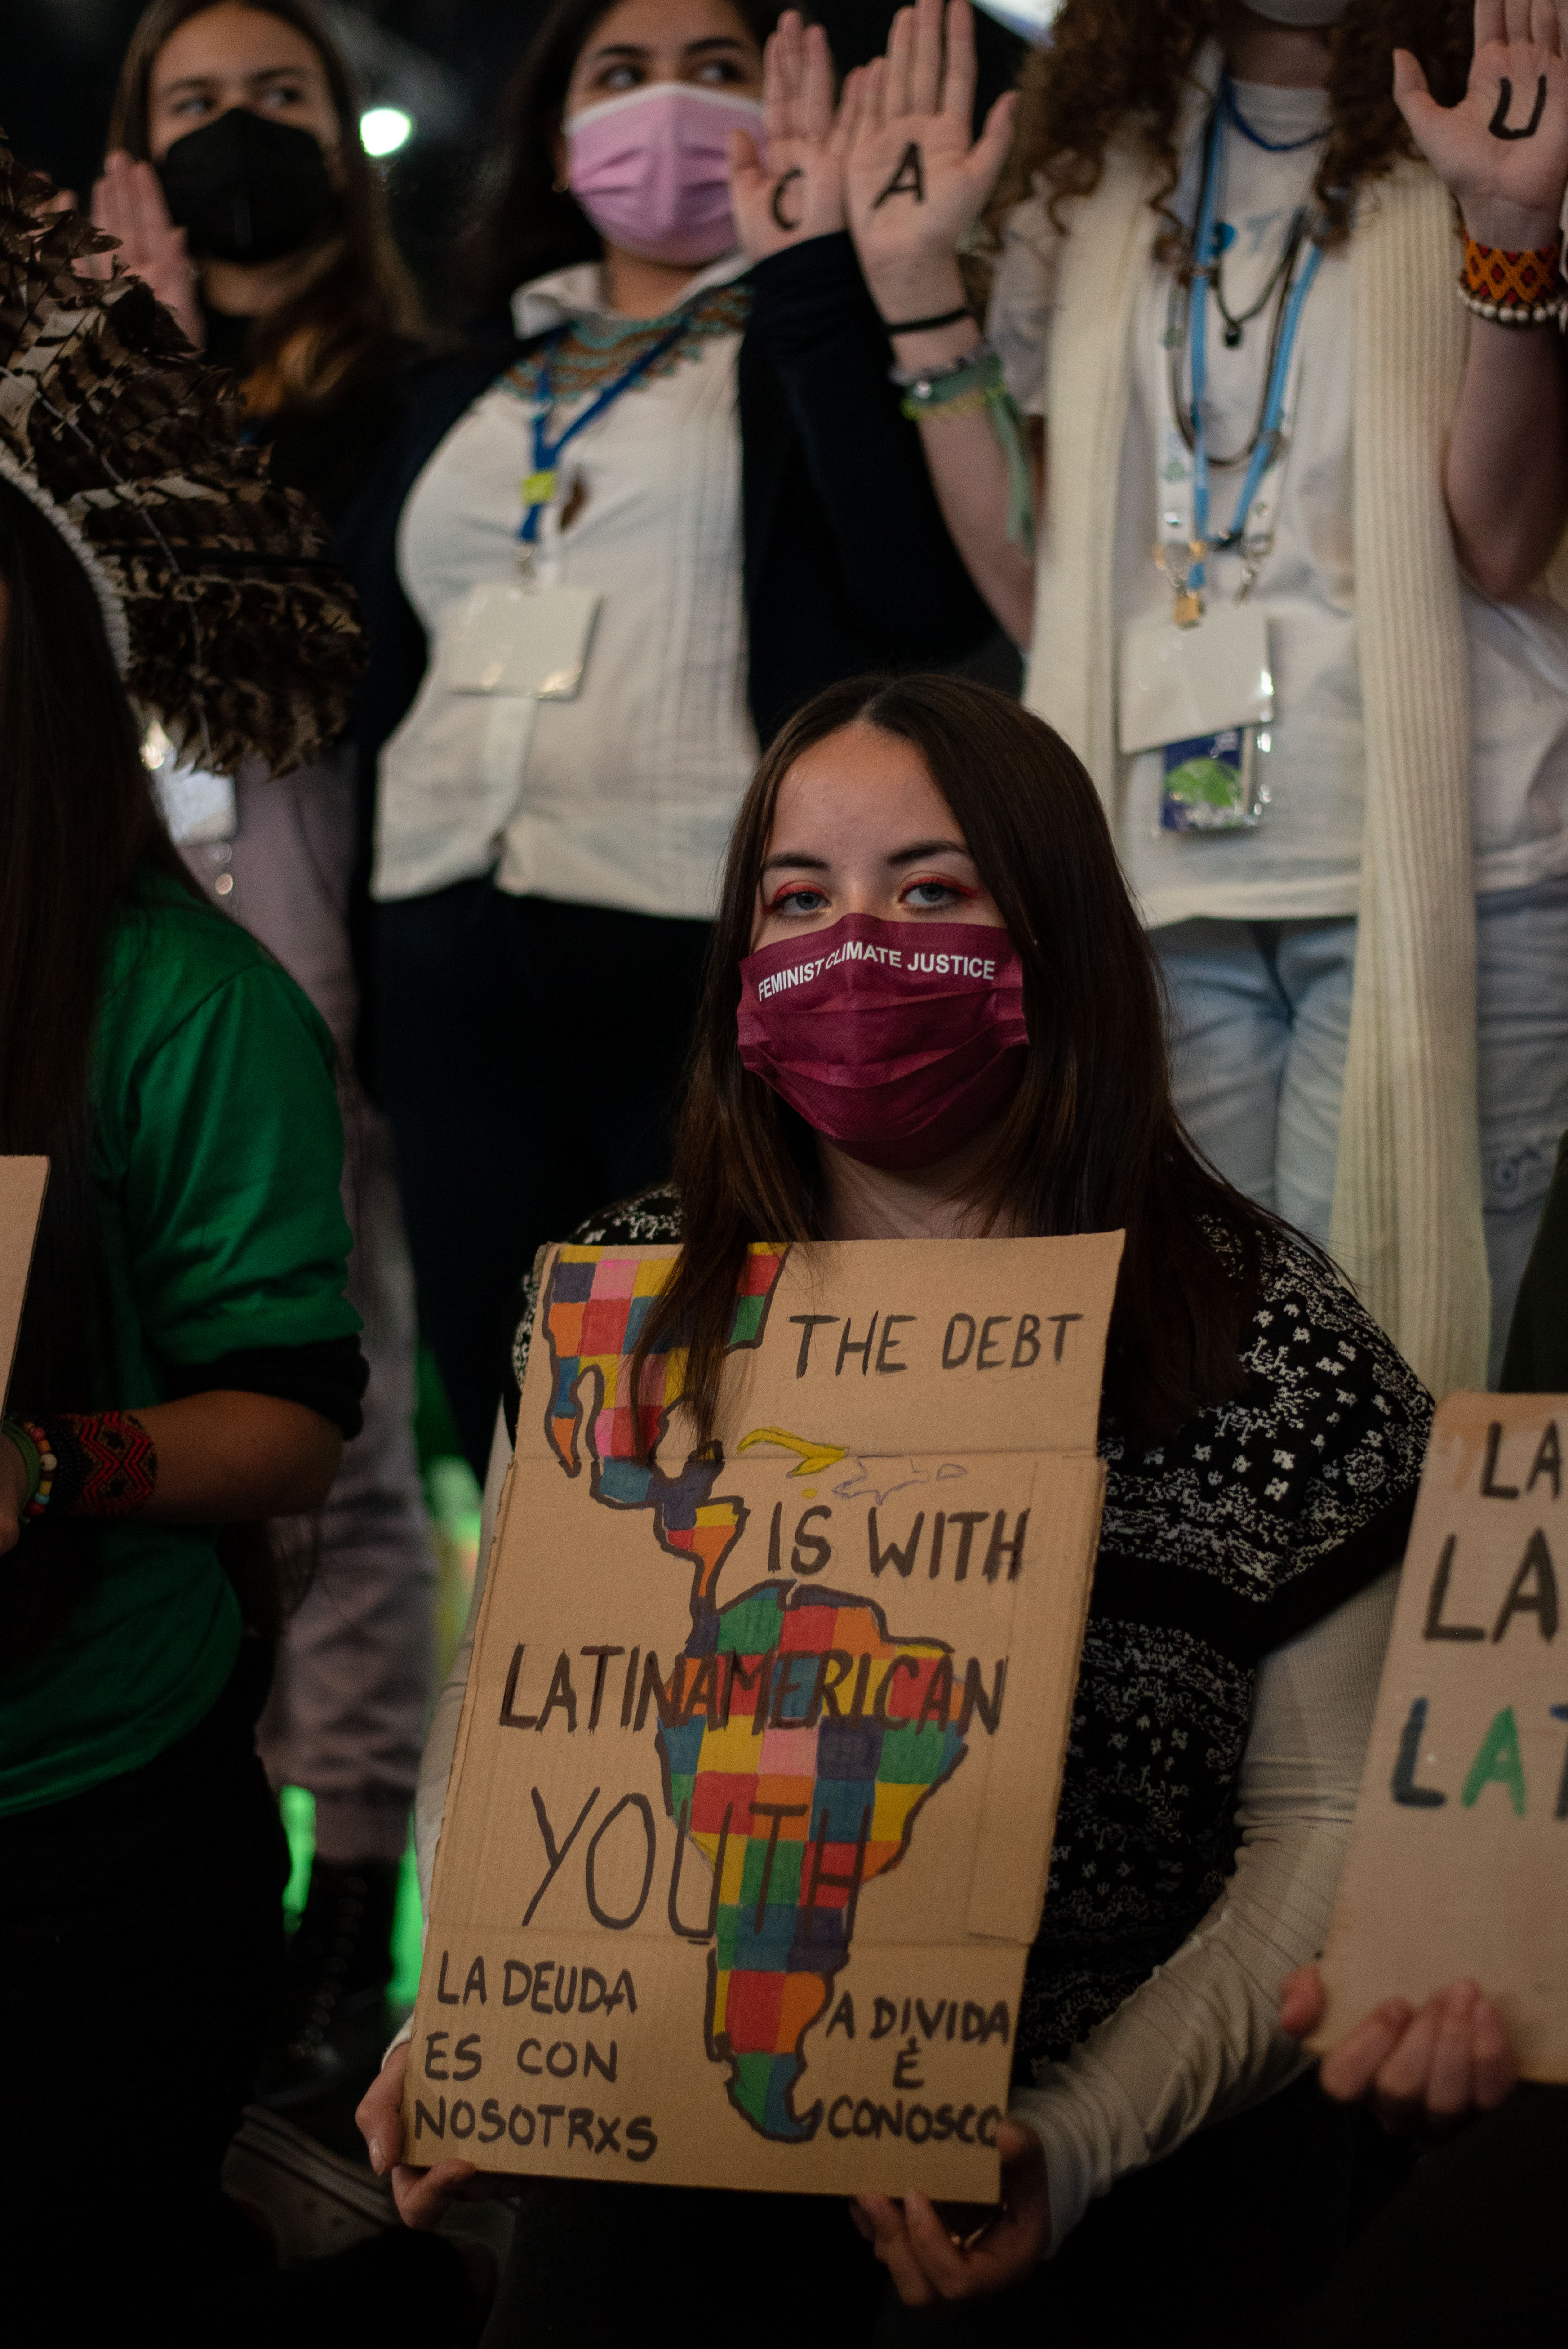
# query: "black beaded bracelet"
927,325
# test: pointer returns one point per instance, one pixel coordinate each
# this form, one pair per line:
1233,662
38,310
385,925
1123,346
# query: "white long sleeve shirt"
624,795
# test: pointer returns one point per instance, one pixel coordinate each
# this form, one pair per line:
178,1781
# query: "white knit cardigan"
1406,1222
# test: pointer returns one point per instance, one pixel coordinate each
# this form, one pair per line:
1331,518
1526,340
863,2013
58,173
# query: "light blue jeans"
1260,1016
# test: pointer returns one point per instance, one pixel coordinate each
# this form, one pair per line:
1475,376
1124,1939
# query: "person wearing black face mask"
236,194
240,194
247,189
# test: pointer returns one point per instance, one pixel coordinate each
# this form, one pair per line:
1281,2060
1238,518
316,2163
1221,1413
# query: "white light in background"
384,128
1030,19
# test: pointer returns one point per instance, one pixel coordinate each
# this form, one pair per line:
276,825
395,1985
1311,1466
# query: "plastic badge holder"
505,637
1177,684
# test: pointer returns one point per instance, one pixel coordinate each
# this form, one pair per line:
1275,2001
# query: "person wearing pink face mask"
666,498
931,1012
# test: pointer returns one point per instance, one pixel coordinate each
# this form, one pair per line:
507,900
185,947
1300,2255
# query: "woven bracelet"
95,1463
979,385
970,381
1514,289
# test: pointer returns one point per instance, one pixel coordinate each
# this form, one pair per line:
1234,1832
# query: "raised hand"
1503,149
127,203
795,189
1418,2068
915,178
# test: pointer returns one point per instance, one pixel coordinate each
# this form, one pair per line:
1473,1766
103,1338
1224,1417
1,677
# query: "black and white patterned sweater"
1241,1531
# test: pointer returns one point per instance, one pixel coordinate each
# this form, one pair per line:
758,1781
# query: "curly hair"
1109,60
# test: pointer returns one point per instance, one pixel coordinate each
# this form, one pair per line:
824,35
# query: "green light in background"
298,1808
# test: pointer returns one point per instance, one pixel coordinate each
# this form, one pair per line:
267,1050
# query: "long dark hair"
78,820
1113,61
1091,1141
525,226
359,300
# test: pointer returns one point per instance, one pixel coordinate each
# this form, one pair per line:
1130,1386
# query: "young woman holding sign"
1262,1441
1298,483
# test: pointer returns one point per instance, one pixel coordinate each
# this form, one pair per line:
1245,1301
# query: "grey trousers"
354,1681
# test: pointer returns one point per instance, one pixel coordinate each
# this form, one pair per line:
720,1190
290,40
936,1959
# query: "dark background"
444,61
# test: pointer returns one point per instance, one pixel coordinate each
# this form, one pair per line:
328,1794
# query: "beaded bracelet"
1514,289
38,1461
97,1464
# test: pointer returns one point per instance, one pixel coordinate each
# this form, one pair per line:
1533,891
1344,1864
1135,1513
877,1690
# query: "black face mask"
244,189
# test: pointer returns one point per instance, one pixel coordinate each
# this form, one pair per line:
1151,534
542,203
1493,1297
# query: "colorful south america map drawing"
807,1737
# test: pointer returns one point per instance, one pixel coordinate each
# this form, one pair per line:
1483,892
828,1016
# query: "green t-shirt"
218,1157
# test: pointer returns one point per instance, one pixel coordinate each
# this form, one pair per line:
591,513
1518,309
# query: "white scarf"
1406,1224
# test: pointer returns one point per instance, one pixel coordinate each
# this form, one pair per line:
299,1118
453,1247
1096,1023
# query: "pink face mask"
899,1041
651,169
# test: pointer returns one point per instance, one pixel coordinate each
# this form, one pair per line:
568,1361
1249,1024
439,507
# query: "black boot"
335,2023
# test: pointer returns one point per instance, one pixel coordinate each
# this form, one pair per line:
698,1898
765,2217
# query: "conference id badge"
1210,782
507,638
1177,685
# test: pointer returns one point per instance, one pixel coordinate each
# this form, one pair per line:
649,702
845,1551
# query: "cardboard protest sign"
1458,1866
22,1186
751,1808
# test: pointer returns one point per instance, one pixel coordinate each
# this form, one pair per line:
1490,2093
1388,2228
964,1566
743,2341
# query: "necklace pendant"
1233,337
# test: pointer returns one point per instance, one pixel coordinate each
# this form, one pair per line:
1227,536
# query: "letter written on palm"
1503,149
795,189
916,179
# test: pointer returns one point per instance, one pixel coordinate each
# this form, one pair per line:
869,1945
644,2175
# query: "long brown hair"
358,299
1109,62
1091,1141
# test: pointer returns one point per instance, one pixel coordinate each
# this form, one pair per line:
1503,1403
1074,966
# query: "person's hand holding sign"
1503,149
929,2260
917,179
423,2196
795,189
1418,2068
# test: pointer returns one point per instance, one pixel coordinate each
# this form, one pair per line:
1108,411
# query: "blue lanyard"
1205,255
539,488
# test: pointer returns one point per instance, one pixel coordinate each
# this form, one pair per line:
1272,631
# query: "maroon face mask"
899,1041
